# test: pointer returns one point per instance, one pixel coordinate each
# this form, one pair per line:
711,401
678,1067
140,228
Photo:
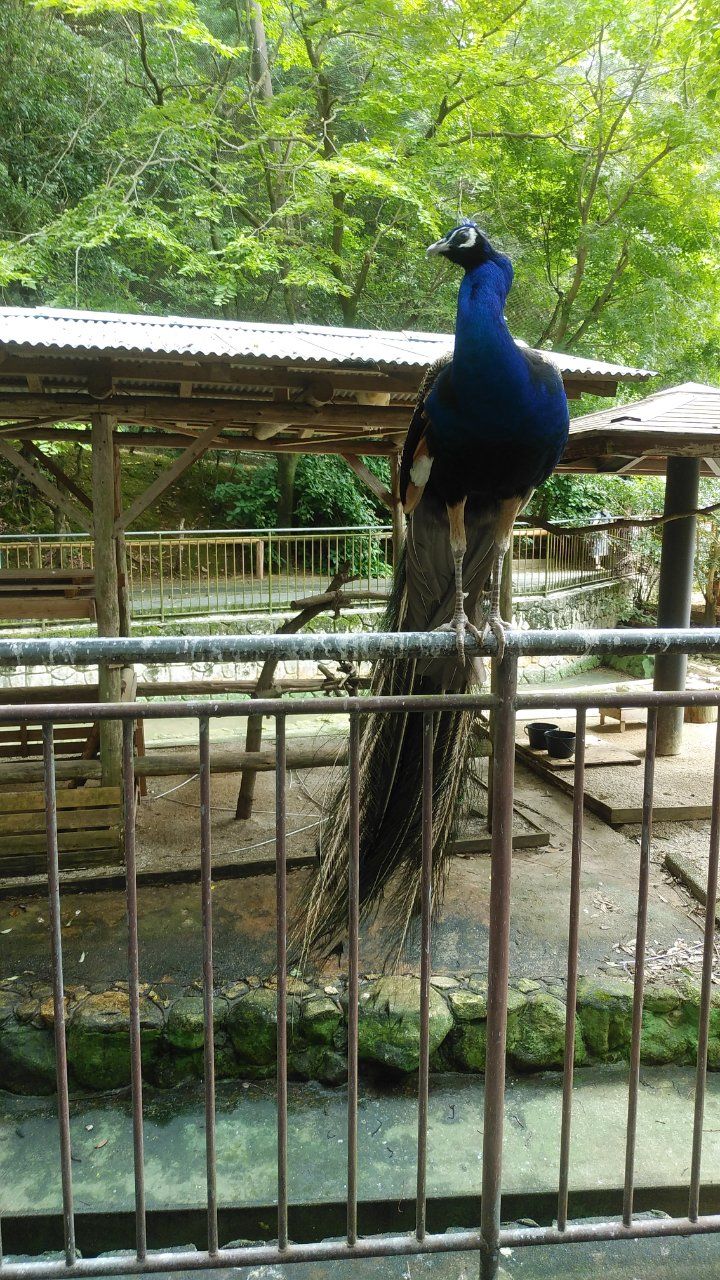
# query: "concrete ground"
246,1160
244,909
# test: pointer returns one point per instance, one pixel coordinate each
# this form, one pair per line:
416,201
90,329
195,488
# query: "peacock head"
469,247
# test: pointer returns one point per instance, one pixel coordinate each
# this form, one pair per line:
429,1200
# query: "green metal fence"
179,573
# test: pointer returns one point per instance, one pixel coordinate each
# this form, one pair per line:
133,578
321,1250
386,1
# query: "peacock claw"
497,627
461,626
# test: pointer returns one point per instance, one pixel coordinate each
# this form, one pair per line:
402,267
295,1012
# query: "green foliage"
326,493
280,160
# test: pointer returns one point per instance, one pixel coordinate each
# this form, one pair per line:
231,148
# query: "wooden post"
398,517
124,610
677,564
106,587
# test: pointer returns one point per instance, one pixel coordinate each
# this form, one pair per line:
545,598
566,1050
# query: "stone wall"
245,1020
586,608
598,605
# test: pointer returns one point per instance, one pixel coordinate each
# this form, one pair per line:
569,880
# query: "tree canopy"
290,159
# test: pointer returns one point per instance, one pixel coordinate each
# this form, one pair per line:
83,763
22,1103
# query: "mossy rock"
27,1058
468,1006
467,1044
319,1062
320,1019
252,1027
604,1010
389,1023
98,1039
185,1021
171,1068
669,1037
536,1033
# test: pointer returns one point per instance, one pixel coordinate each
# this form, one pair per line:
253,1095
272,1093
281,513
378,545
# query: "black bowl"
536,733
560,743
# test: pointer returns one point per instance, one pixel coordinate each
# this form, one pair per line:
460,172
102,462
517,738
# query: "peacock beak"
439,246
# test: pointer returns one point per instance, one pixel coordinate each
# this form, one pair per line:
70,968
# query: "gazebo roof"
306,387
636,438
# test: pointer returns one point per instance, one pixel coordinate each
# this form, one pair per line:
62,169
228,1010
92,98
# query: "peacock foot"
461,626
497,627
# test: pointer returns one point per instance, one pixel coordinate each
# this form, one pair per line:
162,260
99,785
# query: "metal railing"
195,573
490,1236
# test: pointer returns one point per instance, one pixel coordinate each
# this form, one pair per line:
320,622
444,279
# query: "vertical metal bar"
134,985
426,916
706,988
58,993
572,963
498,966
639,984
208,1003
353,972
281,885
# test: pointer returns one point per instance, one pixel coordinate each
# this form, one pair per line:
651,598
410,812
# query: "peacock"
490,424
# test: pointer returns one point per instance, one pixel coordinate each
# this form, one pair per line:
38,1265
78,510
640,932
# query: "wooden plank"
47,575
27,865
46,608
24,801
67,820
102,838
33,733
373,483
26,771
58,590
49,491
168,477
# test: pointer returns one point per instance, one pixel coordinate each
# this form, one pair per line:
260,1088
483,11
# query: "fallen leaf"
104,1143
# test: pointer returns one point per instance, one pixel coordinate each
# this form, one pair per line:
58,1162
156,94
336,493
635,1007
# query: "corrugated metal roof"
105,333
689,407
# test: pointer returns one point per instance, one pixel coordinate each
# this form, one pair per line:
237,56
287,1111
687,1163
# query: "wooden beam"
55,470
373,483
49,491
167,477
240,412
169,439
169,369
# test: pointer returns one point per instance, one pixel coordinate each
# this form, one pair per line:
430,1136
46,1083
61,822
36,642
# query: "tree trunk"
287,466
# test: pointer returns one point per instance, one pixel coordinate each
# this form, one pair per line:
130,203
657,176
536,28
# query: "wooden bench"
89,823
72,740
47,595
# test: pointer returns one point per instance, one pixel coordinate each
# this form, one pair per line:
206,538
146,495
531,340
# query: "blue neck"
482,339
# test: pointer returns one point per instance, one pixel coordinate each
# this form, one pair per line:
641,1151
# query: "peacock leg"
460,624
503,536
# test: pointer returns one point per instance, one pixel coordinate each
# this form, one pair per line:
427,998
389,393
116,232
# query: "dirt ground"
244,907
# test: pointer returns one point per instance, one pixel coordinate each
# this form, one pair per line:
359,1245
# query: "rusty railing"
489,1236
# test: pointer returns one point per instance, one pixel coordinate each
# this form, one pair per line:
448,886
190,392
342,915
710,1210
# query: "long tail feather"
390,782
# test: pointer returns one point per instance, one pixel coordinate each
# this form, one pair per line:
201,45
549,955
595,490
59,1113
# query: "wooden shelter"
675,432
115,382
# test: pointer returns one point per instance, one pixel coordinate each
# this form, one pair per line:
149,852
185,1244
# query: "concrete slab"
246,1151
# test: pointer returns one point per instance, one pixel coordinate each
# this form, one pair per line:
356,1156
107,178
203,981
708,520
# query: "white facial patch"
420,470
465,238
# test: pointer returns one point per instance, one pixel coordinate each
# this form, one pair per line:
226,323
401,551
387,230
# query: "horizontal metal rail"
359,646
505,701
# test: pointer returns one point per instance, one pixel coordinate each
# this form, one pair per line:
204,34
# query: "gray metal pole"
675,592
